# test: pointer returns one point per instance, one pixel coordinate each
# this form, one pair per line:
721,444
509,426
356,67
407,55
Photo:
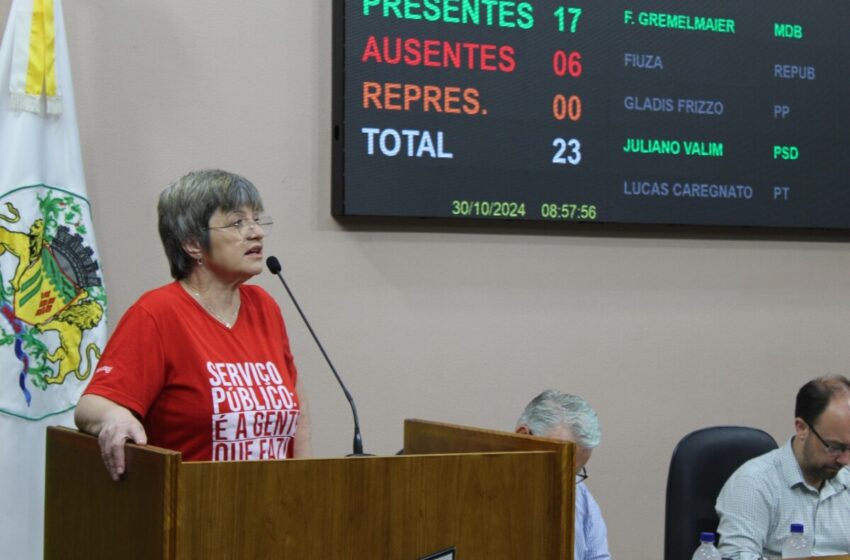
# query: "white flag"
52,299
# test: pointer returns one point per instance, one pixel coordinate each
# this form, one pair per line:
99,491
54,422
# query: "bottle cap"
796,527
706,537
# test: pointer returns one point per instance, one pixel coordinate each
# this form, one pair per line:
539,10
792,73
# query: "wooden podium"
489,495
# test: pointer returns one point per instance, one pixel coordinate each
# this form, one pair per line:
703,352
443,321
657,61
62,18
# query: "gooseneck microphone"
275,268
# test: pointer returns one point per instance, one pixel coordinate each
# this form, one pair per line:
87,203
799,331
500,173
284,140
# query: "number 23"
566,151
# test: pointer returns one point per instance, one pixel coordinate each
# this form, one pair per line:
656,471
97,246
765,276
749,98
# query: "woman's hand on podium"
113,425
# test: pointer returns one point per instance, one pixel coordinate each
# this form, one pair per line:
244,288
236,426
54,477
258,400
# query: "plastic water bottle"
797,544
706,550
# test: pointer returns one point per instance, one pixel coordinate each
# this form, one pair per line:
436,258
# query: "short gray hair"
552,408
185,208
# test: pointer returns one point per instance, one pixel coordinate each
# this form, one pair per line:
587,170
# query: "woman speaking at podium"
201,365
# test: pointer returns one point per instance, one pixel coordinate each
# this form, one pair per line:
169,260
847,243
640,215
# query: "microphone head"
273,264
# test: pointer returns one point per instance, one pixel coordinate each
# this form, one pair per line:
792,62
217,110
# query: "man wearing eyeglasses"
566,417
805,481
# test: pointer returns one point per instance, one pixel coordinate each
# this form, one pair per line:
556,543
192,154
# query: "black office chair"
701,463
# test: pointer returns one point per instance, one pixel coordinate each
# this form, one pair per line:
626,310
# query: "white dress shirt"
761,500
591,534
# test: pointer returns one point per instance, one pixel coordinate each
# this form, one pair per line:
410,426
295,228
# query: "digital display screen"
708,112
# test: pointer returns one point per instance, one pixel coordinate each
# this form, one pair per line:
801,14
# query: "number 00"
563,107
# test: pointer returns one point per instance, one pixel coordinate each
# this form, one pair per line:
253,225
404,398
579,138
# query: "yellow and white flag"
52,298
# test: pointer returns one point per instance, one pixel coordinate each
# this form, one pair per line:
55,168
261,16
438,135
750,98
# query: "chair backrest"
701,463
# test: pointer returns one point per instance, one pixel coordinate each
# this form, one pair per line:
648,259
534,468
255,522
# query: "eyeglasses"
831,448
244,225
582,475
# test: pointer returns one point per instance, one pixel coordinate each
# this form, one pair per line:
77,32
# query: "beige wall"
662,335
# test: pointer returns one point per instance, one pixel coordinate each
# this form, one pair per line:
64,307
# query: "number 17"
561,12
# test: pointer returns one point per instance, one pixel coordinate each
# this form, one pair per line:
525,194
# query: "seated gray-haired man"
557,415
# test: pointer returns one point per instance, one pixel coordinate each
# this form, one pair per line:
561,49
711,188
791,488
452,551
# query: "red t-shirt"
200,388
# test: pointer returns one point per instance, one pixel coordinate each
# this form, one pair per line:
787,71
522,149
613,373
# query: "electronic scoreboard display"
688,112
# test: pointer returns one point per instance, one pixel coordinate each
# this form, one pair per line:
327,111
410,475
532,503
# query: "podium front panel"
488,506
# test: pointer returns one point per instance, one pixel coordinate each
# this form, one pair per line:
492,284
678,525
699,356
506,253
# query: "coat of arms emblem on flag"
49,283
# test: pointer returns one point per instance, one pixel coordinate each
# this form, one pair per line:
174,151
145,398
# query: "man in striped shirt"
566,417
805,481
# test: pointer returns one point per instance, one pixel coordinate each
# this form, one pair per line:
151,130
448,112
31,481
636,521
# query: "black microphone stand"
275,268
